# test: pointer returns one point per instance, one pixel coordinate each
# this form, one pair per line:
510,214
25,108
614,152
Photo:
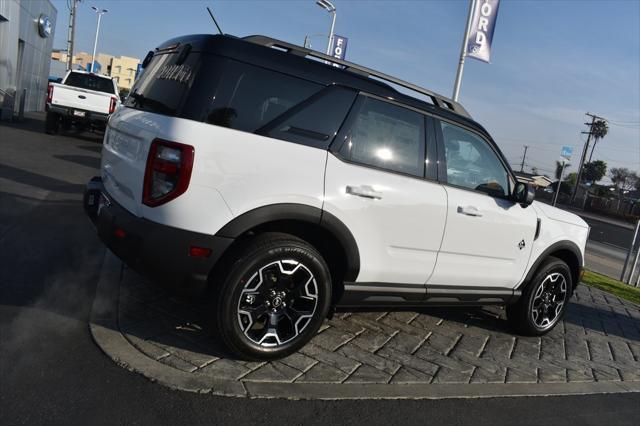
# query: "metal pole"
524,156
463,52
95,42
333,25
633,268
633,244
555,198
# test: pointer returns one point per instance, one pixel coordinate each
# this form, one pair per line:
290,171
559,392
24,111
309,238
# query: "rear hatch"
85,92
166,90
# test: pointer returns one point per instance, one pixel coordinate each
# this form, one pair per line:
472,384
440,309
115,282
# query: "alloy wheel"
277,303
549,300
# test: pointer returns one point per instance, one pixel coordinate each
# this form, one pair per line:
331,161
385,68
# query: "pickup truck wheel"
51,123
274,298
544,300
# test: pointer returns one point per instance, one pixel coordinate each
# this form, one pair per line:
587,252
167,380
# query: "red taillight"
199,251
49,93
112,105
167,173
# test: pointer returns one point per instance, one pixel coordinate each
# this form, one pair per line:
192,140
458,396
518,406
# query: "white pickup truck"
82,99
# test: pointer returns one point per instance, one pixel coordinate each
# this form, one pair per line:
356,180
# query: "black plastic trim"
471,295
151,248
560,245
301,213
389,294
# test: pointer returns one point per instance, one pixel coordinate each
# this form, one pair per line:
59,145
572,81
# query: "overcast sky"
552,61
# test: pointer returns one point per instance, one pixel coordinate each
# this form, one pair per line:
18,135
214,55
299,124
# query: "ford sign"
44,26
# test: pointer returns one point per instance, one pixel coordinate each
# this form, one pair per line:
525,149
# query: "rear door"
488,238
375,184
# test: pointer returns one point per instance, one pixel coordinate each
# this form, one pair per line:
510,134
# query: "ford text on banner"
339,46
481,32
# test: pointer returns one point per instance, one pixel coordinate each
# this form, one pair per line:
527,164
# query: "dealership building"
26,41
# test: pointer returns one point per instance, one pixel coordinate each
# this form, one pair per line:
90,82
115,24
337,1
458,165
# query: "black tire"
51,123
274,297
544,299
65,124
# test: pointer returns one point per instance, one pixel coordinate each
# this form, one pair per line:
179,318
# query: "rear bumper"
155,250
69,112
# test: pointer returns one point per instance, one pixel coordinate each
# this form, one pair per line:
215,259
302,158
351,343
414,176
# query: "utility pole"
71,33
524,156
584,154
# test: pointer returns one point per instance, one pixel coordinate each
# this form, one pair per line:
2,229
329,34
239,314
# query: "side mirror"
524,193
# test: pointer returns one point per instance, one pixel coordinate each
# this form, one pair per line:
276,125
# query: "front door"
488,237
375,184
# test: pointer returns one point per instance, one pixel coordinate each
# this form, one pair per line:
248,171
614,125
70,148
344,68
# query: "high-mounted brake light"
49,93
112,105
168,172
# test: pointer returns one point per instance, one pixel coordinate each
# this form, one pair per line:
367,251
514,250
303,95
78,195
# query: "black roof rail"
437,99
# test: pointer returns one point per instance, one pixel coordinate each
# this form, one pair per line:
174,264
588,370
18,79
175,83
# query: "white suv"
288,186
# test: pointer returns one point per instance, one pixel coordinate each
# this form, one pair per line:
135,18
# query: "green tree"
624,180
571,179
594,171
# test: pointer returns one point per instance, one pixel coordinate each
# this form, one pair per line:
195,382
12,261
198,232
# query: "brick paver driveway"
599,340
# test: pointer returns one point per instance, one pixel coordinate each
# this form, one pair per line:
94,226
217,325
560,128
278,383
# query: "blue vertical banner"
339,46
483,23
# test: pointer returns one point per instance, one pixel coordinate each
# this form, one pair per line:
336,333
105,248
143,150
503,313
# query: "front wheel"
544,300
274,298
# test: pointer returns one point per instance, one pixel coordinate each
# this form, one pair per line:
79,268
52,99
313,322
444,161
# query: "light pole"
329,7
99,12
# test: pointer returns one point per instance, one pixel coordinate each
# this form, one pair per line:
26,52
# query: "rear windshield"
217,90
90,82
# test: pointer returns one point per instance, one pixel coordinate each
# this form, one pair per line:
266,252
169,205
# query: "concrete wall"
19,21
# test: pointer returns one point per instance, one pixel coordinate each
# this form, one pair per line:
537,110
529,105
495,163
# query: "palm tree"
599,130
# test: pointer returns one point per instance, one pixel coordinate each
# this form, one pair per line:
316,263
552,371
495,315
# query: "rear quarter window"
250,96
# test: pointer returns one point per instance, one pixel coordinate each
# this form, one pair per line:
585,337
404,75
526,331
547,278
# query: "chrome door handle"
364,191
469,211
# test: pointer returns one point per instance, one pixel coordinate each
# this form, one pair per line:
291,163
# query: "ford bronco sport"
287,186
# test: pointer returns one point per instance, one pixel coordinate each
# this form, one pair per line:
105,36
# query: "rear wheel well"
323,240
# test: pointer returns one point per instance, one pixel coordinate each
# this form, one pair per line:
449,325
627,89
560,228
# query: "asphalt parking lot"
52,371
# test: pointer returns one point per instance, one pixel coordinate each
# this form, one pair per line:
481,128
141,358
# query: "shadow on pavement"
39,181
34,122
83,160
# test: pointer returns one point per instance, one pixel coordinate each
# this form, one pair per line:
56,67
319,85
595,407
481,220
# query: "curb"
106,333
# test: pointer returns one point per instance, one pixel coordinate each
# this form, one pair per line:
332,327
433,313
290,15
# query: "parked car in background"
82,99
288,187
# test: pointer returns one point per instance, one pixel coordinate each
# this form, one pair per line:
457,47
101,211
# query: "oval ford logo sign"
44,26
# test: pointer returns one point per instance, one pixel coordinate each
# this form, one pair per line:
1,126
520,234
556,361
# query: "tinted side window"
471,163
316,121
253,96
386,136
